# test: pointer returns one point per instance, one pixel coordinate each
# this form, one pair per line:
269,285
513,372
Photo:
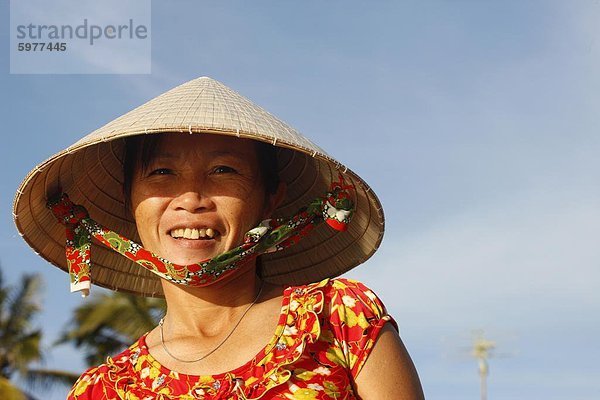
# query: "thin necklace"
164,346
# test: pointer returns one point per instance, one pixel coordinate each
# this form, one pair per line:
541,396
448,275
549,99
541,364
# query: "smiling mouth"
194,233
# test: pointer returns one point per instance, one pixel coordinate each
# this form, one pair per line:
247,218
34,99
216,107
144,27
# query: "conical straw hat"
90,171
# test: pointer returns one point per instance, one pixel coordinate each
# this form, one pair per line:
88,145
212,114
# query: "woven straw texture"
90,171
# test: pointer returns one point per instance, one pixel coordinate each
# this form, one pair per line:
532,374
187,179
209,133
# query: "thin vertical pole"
483,373
483,388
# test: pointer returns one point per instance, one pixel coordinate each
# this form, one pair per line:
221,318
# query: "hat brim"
91,172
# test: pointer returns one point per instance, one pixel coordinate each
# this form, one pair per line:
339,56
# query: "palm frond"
46,379
19,343
3,295
109,323
22,304
25,351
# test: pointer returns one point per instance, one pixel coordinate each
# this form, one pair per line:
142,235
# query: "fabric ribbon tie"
335,208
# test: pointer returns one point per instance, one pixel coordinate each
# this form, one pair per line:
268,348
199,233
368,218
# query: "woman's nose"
192,199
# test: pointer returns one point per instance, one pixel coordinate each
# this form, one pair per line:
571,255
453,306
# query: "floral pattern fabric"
325,333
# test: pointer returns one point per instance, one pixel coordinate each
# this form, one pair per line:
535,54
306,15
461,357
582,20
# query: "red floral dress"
325,333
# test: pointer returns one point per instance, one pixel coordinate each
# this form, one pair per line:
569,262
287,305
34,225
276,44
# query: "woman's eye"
223,169
161,171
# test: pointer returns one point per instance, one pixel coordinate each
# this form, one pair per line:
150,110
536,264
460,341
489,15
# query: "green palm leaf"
20,342
108,323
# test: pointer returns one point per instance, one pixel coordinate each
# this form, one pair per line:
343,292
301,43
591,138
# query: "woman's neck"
209,311
210,324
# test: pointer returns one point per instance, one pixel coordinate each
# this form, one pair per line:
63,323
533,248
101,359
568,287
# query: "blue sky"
476,123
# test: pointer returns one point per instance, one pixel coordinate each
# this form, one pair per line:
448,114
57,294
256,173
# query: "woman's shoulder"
344,300
353,316
332,284
338,288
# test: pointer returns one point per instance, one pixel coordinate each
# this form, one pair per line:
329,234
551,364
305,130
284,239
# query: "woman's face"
198,197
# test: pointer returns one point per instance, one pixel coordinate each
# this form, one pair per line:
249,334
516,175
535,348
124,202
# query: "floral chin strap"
335,208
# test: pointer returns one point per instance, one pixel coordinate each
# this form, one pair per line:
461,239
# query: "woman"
228,203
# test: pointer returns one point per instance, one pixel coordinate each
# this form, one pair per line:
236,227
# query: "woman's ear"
274,200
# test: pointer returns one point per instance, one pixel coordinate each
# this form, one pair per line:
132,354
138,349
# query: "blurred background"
476,123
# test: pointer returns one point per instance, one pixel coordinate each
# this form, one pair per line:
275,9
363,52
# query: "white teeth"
177,233
193,233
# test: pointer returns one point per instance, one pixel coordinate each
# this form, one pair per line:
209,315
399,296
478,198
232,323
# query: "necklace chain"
164,346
